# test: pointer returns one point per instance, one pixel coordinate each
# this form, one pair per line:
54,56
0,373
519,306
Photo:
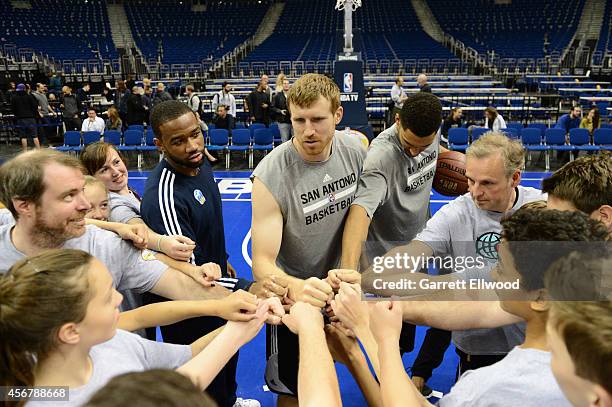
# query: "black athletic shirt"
177,204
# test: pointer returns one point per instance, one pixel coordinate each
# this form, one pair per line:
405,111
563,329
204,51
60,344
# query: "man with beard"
181,196
44,191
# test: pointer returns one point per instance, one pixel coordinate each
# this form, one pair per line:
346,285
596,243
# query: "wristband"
159,243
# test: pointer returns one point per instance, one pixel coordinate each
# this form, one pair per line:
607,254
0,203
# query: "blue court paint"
235,191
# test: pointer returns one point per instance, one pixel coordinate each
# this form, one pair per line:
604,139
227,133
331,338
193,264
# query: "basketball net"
355,4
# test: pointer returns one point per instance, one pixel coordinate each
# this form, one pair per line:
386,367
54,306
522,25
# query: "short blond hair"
306,91
511,151
93,181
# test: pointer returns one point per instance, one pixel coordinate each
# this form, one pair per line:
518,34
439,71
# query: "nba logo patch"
332,198
199,196
348,82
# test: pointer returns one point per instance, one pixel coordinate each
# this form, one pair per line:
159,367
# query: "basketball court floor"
235,187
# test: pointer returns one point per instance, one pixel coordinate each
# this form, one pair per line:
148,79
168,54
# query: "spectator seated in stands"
592,121
222,119
493,120
570,120
93,122
114,121
453,120
224,97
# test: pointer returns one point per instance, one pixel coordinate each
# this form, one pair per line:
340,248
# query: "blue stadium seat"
511,132
477,132
255,126
603,138
112,137
263,140
219,141
580,139
541,126
555,139
458,138
91,137
532,141
241,141
137,127
275,133
72,141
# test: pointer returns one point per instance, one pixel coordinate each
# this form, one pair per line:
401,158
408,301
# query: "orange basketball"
450,179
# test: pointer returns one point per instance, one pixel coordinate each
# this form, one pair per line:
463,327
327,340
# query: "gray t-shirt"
394,189
460,228
523,378
130,268
6,217
124,353
123,208
314,199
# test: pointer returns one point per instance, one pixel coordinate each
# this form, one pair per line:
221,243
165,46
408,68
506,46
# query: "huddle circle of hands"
302,304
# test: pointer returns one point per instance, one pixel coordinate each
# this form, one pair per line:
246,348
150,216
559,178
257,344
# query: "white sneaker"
246,403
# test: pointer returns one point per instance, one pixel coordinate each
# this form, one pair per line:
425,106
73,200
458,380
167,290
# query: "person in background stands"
281,111
114,121
225,98
493,120
83,93
398,96
453,120
136,110
93,122
569,120
422,83
71,107
591,121
259,104
25,109
161,95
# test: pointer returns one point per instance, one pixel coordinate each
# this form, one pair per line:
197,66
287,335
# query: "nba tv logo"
348,82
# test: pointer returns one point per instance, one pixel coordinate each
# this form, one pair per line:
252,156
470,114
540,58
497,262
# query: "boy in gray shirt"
533,240
301,195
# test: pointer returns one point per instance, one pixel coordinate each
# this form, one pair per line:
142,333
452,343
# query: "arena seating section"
389,33
308,31
59,29
603,45
190,37
515,30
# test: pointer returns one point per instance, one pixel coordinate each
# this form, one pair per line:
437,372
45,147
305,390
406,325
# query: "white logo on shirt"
199,196
327,178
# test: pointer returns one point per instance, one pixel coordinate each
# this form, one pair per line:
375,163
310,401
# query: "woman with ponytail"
58,327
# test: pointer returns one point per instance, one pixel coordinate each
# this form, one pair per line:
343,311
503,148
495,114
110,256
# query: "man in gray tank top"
302,192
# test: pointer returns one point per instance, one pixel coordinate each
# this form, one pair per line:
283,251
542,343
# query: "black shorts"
27,128
282,360
283,357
